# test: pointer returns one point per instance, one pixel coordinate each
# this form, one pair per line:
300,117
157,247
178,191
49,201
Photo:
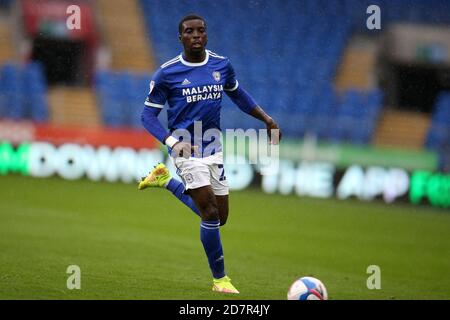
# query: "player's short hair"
187,18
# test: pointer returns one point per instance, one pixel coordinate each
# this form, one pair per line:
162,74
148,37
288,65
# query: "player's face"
194,37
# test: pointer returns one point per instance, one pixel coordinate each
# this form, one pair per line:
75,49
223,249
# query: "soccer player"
193,84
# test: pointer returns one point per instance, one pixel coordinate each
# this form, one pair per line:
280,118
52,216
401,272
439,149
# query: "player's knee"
210,212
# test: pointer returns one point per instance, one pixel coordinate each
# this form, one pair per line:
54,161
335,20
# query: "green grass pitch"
134,244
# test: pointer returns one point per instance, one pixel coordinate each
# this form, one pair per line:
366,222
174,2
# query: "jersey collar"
195,64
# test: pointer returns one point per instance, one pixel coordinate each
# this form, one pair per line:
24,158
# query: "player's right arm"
157,97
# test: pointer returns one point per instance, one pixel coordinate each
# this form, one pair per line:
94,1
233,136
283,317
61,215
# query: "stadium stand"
5,4
290,70
74,106
402,128
6,50
439,133
357,68
23,87
135,53
438,137
121,97
14,81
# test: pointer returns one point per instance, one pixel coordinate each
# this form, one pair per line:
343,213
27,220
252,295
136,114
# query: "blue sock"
210,236
177,188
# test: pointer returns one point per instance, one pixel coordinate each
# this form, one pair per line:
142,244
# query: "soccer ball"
307,288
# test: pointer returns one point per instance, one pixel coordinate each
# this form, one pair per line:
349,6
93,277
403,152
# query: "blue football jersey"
193,92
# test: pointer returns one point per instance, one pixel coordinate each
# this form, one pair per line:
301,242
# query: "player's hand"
183,149
273,132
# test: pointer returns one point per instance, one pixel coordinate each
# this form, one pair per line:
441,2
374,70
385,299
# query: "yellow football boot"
224,285
159,177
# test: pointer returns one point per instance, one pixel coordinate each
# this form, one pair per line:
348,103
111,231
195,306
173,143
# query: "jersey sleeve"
159,91
231,82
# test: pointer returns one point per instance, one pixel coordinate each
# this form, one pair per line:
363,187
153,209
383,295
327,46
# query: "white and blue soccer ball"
307,288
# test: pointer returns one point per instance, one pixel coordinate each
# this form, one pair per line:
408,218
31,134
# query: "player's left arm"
247,104
273,130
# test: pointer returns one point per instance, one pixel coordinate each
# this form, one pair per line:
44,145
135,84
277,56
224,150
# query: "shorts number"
222,175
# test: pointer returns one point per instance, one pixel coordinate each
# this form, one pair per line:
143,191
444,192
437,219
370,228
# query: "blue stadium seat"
438,137
23,92
121,96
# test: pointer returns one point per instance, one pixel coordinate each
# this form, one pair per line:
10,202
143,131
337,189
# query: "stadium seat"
23,92
121,96
438,137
